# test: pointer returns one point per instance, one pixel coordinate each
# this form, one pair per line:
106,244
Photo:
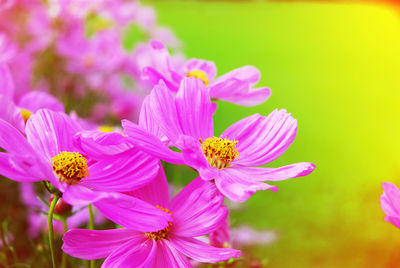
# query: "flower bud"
61,208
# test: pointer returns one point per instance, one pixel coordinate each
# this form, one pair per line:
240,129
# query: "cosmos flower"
390,203
235,86
196,211
231,159
49,153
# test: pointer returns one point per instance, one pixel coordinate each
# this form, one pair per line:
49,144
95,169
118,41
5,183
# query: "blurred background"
335,66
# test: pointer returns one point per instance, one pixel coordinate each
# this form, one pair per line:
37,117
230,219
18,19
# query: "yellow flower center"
106,128
25,114
219,152
162,234
70,167
199,74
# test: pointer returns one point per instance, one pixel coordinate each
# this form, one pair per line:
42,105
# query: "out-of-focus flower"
230,159
196,211
235,86
390,203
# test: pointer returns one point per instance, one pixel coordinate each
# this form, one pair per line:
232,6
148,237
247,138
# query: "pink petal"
97,244
208,67
99,144
34,100
155,192
123,172
168,257
390,203
147,121
233,184
20,169
202,252
262,139
154,77
133,213
160,56
50,132
194,109
150,143
12,140
133,254
80,195
197,210
10,113
248,74
275,174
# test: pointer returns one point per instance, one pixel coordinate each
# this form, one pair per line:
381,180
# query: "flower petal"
390,203
97,244
50,132
149,143
156,192
10,113
194,109
168,257
208,67
232,183
34,100
133,213
133,254
262,139
99,144
197,210
123,172
201,251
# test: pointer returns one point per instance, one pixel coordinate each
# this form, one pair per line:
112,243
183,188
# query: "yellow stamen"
25,114
105,128
219,152
162,234
70,167
199,74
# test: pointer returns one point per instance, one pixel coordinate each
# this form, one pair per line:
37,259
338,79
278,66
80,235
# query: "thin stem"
64,256
91,227
51,231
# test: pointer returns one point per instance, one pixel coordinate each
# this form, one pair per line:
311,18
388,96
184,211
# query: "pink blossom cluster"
68,55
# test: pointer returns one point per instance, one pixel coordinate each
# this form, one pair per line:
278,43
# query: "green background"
335,67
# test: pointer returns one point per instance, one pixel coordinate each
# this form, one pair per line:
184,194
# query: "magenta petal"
147,121
275,174
19,168
154,77
246,74
12,140
194,109
246,97
50,132
197,210
99,144
156,192
123,172
168,257
80,195
201,251
262,139
6,82
133,254
390,203
34,100
237,186
10,113
150,144
133,213
97,244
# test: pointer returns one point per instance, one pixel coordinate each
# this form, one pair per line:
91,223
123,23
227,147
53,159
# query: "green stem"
91,227
64,256
51,231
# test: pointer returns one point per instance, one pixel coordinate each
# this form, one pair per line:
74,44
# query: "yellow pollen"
70,167
219,152
105,128
162,234
199,74
25,114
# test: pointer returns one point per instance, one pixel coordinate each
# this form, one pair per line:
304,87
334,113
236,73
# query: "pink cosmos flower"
235,86
196,211
390,203
230,159
49,153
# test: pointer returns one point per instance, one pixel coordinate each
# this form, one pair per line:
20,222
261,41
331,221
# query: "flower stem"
51,231
91,227
64,256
